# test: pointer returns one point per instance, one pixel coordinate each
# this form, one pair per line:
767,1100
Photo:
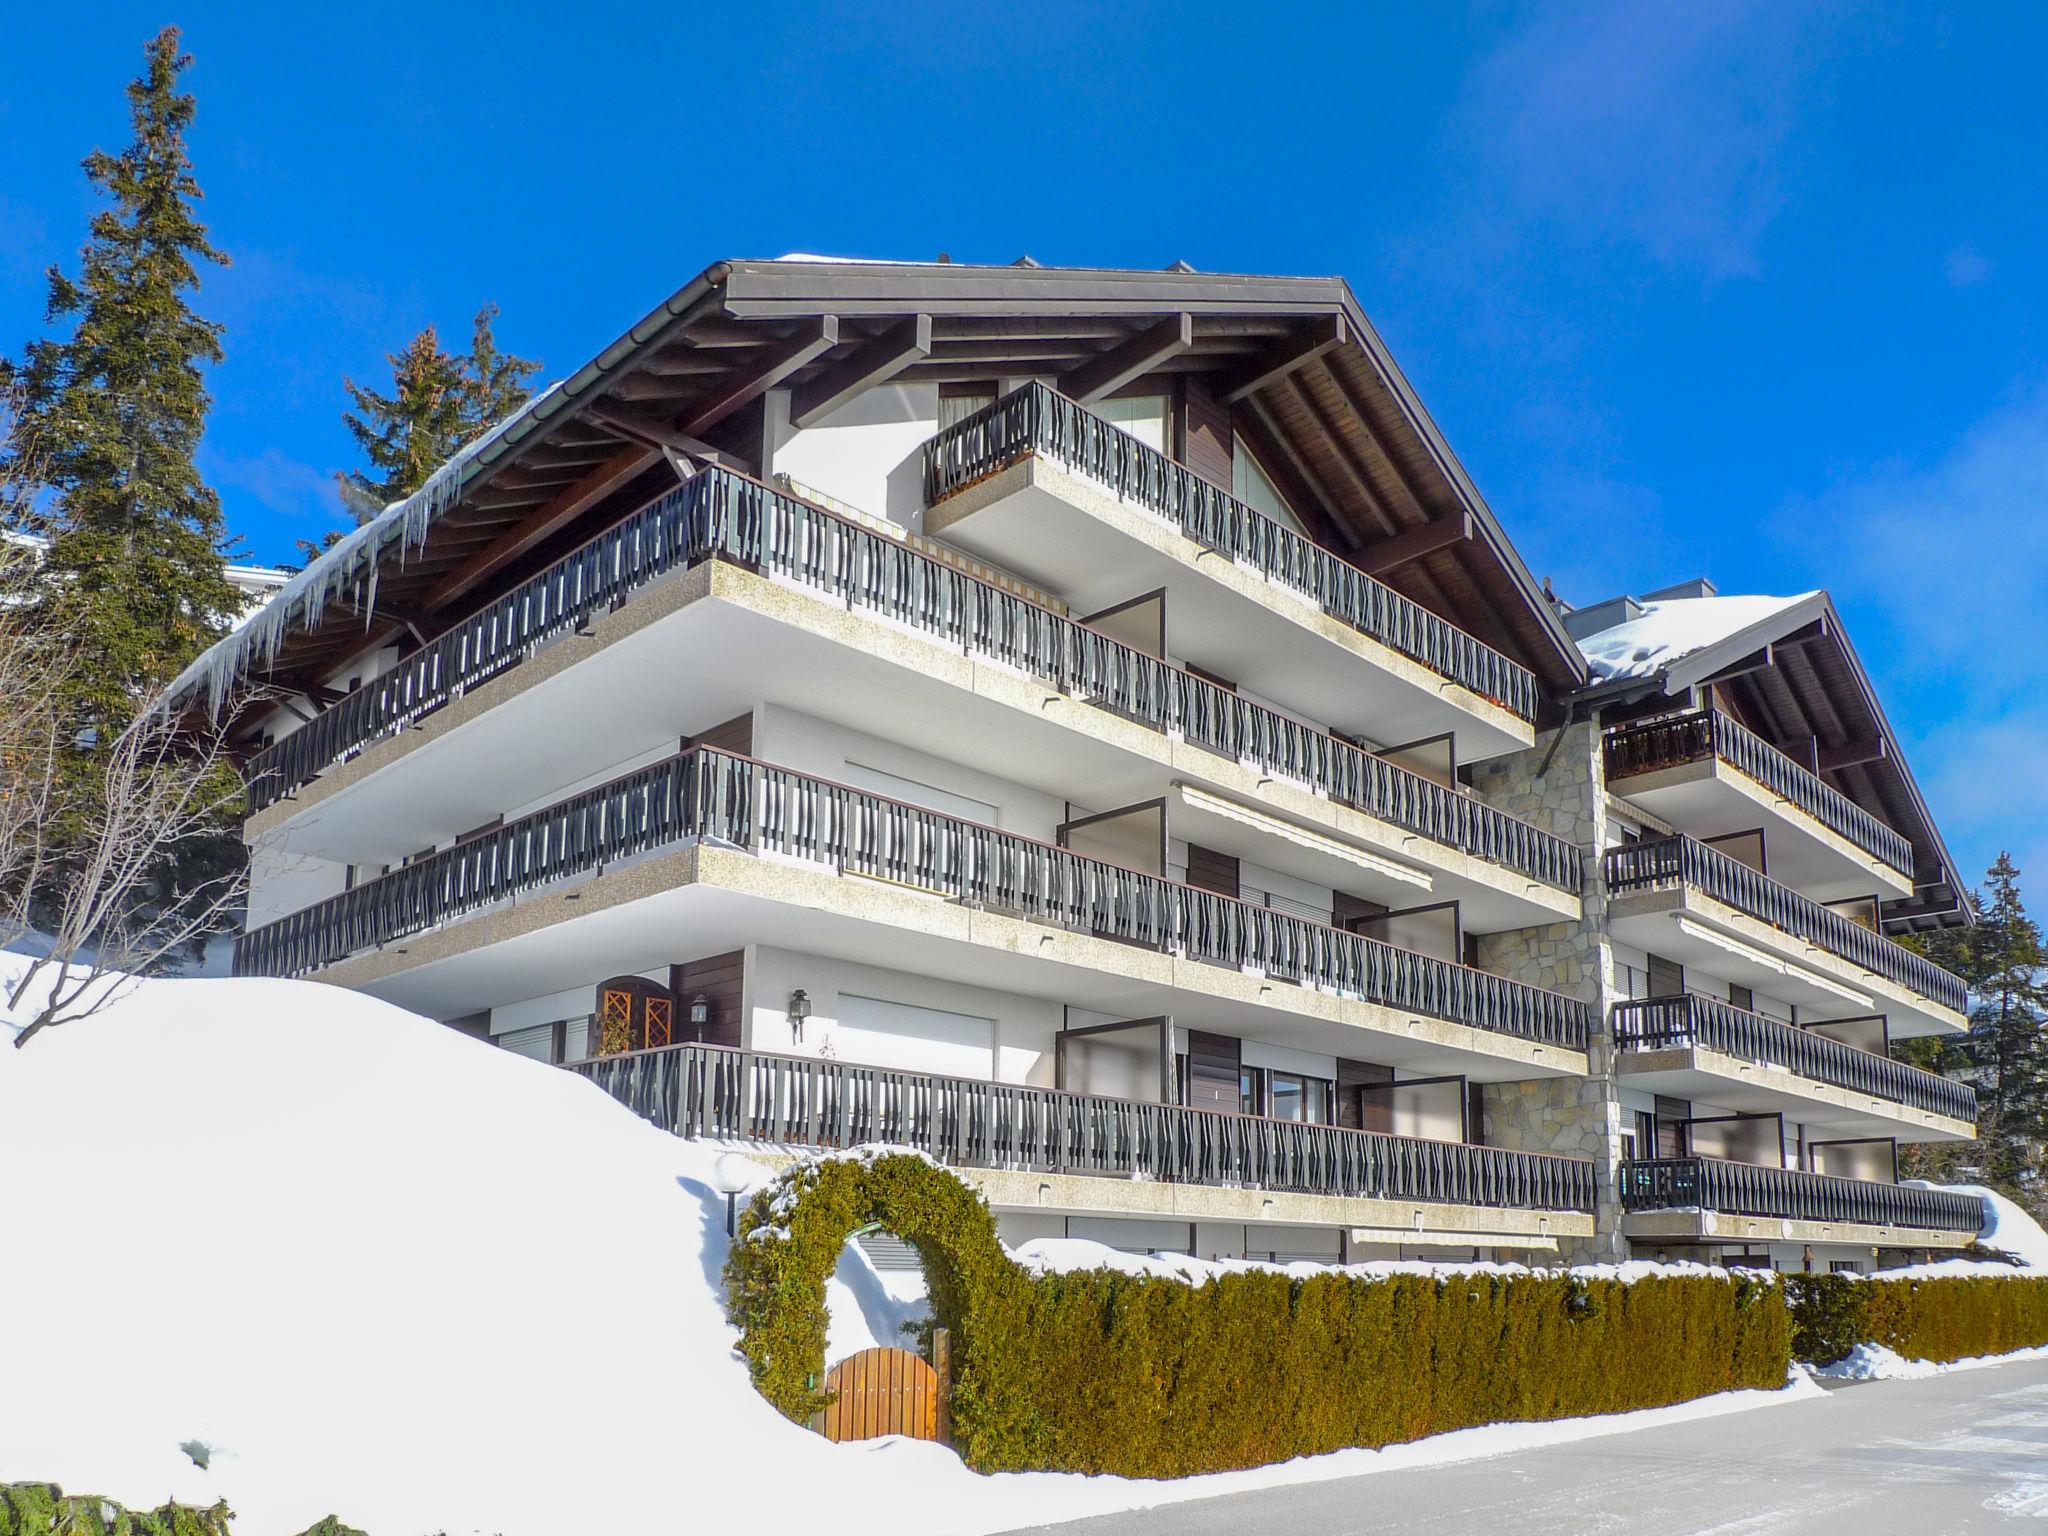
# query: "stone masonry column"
1558,785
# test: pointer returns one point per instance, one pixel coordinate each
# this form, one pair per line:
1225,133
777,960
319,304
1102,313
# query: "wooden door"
881,1392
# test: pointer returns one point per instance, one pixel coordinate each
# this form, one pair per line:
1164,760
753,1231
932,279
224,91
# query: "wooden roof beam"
551,518
1407,547
1303,347
906,342
1870,749
1111,370
814,337
659,434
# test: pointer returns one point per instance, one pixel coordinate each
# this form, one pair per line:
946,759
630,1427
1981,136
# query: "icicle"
353,561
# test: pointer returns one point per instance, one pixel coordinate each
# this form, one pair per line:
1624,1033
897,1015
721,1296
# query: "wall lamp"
799,1010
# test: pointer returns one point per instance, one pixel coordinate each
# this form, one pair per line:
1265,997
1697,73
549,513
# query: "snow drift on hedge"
392,1273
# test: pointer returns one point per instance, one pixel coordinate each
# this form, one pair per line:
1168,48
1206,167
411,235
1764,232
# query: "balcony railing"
1667,1023
720,798
1742,1189
1693,738
1674,861
709,1090
721,513
1036,419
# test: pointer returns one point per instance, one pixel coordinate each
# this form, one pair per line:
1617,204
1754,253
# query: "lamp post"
733,1175
700,1015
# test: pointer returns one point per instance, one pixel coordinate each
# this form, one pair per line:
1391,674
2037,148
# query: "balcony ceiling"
1321,400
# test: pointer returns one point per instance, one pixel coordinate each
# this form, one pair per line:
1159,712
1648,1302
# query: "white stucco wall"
867,454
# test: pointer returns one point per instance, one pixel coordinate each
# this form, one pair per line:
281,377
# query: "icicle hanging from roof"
349,569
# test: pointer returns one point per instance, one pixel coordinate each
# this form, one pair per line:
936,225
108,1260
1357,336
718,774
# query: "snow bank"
393,1273
2007,1229
1065,1255
1875,1362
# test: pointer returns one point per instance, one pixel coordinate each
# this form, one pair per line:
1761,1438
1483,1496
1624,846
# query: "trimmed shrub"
1100,1371
43,1509
1938,1318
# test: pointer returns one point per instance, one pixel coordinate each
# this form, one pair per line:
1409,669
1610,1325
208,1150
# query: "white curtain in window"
955,408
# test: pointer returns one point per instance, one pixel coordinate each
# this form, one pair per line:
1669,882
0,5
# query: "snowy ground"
394,1274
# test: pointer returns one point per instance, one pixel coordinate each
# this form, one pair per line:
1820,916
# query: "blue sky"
1749,290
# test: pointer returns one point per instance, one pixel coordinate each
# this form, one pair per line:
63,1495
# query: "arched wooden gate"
881,1392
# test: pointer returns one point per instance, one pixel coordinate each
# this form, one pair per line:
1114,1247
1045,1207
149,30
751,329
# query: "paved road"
1949,1456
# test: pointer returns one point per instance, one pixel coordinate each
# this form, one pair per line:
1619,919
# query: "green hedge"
44,1509
1940,1318
1101,1371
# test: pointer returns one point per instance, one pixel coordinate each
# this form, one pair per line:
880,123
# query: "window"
1296,1097
1251,1090
1255,488
1148,418
956,408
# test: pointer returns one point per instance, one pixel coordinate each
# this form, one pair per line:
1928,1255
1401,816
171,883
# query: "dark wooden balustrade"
737,802
1666,1023
1037,419
1743,1189
708,1090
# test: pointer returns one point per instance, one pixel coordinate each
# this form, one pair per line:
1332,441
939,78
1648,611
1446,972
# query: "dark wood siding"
734,735
721,979
1209,870
1347,910
1671,1117
1206,432
1213,1062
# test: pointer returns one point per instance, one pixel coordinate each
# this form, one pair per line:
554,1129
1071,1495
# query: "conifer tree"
110,406
115,405
2004,961
439,402
497,380
408,433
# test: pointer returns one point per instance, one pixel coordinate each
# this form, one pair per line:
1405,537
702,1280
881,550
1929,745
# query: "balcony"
1046,488
1707,775
1706,1199
861,570
787,1101
1693,1047
575,889
1676,897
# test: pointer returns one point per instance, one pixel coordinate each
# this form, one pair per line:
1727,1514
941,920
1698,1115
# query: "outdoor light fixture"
700,1015
734,1175
799,1010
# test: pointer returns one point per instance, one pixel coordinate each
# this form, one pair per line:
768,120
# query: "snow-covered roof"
349,568
1667,631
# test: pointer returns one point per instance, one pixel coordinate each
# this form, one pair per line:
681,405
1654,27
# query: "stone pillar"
1557,784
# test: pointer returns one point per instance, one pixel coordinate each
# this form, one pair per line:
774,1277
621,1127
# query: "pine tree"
410,432
2004,961
497,380
116,408
111,406
439,402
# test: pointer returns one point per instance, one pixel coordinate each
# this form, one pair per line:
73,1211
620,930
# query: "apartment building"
1087,725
